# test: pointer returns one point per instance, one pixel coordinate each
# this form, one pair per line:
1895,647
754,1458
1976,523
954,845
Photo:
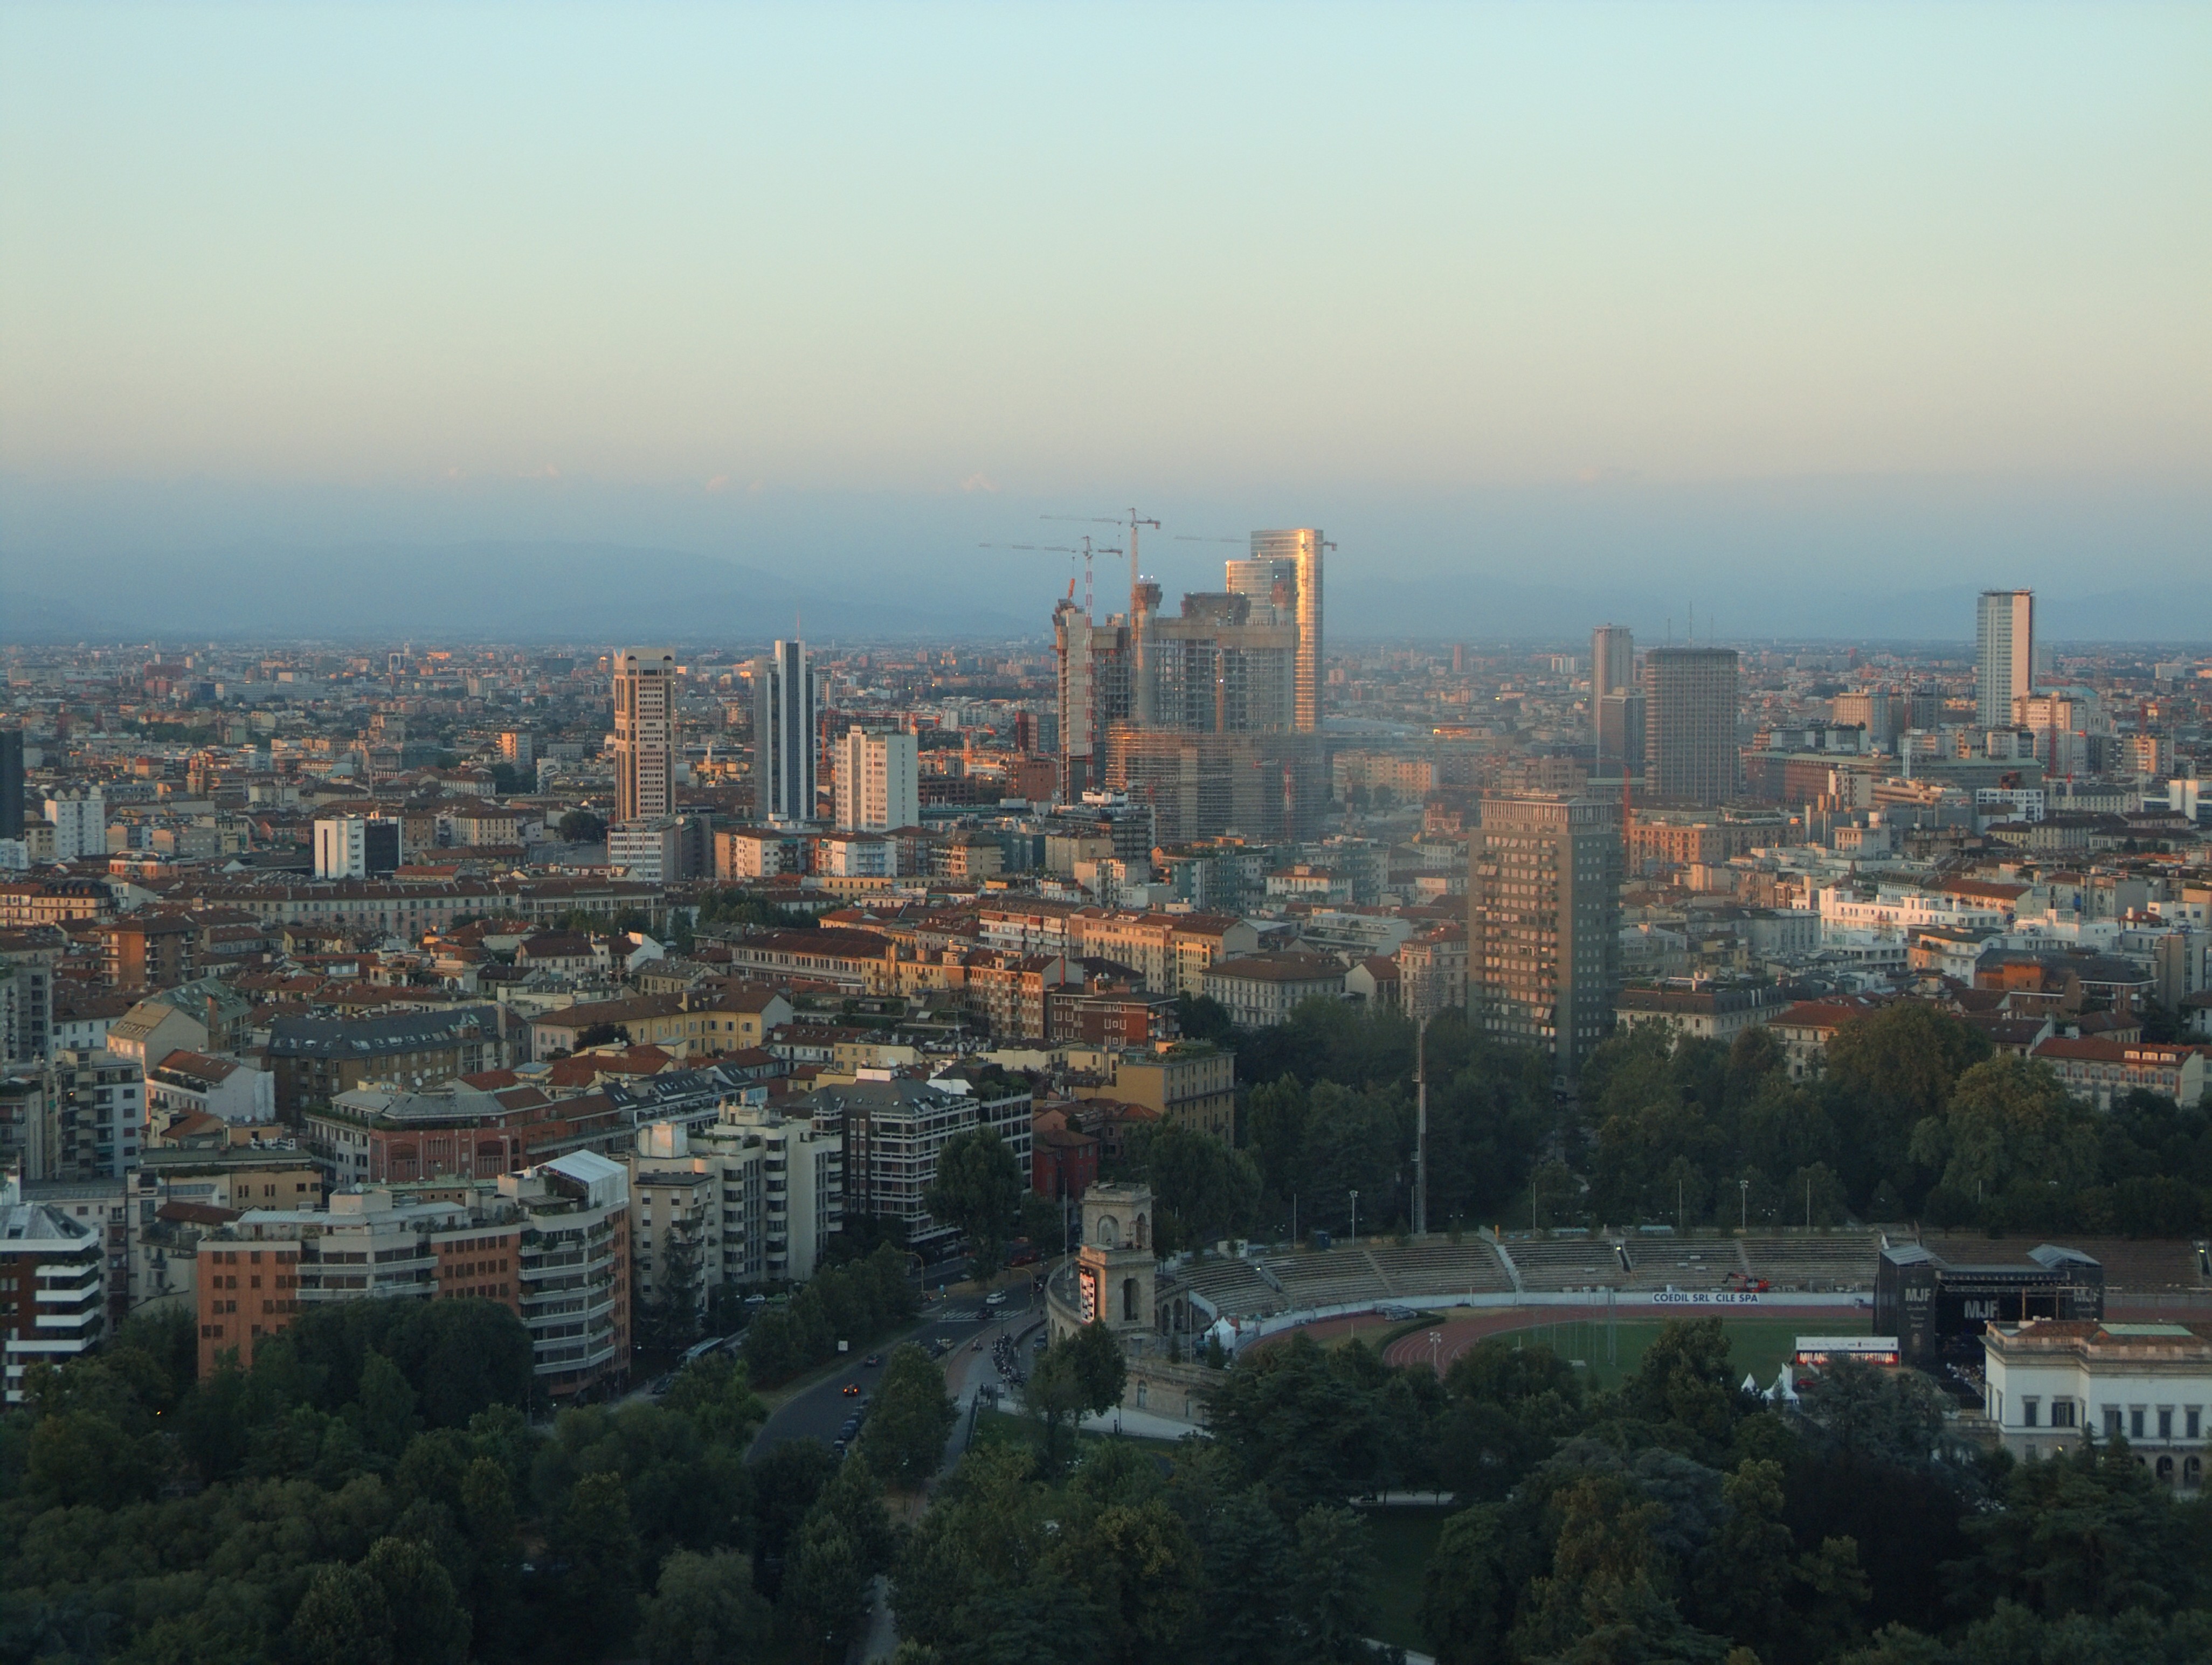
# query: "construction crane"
1133,521
1060,549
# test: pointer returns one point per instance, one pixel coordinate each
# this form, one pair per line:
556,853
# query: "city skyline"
1574,310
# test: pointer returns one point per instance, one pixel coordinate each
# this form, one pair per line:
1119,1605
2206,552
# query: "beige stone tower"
1115,1268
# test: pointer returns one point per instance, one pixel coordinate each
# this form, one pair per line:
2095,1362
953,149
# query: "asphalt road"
819,1411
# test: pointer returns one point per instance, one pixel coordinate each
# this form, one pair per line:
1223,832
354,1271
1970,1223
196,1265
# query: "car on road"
996,1298
851,1390
871,1361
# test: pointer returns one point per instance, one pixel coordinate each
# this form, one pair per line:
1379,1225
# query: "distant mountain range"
482,591
608,593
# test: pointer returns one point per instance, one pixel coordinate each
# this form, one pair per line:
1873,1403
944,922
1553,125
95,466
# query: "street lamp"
1355,1216
1421,1110
1743,1204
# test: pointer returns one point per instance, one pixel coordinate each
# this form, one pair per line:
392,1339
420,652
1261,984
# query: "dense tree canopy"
407,1510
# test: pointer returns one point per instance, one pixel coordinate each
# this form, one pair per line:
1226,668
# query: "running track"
1464,1330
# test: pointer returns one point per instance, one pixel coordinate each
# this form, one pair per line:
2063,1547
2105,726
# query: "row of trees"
368,1494
857,1302
1914,1116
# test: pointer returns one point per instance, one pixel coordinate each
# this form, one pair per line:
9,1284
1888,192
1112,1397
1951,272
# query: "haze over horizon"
1815,320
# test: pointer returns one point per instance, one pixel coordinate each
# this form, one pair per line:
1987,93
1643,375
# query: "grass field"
1756,1345
1403,1540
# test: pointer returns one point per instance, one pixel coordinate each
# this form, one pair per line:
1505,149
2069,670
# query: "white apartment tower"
645,734
783,736
878,788
79,822
2004,654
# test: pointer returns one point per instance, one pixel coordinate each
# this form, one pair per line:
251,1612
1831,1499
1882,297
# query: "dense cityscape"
948,834
1166,997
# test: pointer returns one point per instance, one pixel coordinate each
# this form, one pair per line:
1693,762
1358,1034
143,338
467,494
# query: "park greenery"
374,1491
1675,1518
1913,1118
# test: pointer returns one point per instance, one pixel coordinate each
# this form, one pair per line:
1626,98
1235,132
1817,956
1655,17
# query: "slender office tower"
783,736
1301,548
2004,654
1690,752
1613,661
645,734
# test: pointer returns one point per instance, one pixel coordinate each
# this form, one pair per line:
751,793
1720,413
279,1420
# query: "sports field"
1609,1351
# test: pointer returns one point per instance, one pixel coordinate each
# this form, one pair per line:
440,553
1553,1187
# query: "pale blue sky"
1256,257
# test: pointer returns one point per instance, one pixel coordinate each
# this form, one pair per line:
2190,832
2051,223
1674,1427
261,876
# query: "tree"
670,1318
344,1619
1888,1072
978,1189
1202,1190
1201,1017
705,1611
1683,1383
1468,1587
903,1438
387,1405
1137,1564
844,1542
1333,1595
1083,1372
429,1626
582,826
598,1592
1302,1423
1892,1417
2088,1532
2010,1122
1248,1557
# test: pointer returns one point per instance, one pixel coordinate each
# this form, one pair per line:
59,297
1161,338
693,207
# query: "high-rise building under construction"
1210,715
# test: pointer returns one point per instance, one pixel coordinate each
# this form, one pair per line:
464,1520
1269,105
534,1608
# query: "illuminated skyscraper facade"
1300,550
645,734
2004,654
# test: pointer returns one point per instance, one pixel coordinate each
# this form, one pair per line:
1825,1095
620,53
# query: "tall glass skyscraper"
1299,550
2004,654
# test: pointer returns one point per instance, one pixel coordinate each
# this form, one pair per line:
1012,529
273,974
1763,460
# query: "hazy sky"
1286,262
